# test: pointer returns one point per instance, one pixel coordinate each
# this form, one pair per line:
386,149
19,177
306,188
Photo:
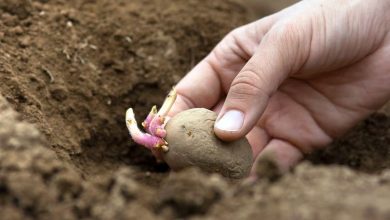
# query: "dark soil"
70,68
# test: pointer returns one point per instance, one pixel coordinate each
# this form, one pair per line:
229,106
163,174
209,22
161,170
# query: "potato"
192,142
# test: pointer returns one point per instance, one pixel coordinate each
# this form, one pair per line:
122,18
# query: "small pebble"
24,42
16,30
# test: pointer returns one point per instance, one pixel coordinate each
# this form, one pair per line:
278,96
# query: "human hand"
293,81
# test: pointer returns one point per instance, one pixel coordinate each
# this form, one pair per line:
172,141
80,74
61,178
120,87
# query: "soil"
70,68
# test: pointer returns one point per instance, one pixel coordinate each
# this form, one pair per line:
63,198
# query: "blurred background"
261,8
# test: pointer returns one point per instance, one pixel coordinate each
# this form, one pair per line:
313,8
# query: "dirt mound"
311,193
71,68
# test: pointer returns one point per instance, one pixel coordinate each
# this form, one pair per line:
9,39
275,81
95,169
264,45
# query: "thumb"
280,53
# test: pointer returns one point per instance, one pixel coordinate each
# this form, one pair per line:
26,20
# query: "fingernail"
231,121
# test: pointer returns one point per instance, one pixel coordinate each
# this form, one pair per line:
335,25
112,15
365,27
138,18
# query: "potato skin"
192,142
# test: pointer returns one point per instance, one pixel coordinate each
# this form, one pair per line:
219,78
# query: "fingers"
199,88
209,81
282,153
258,138
281,52
204,85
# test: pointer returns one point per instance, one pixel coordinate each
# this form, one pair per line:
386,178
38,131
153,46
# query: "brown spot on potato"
192,142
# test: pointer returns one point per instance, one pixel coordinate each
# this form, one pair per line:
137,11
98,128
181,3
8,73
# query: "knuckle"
292,44
231,36
237,31
285,34
247,85
236,35
228,42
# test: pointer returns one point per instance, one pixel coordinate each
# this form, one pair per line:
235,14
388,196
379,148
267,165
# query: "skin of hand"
294,81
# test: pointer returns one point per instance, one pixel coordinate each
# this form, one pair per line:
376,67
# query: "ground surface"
68,71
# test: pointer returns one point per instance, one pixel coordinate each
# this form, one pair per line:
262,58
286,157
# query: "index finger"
210,80
200,88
